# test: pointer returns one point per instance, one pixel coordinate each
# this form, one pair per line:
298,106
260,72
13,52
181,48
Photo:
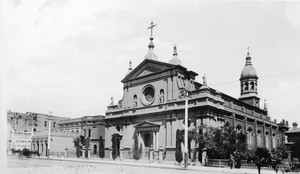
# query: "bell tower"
248,82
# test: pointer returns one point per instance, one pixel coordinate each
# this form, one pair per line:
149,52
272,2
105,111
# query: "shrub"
87,145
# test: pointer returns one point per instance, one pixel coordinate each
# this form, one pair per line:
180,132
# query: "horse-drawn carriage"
25,153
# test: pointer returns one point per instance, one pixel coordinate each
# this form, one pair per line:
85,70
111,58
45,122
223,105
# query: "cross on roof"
151,27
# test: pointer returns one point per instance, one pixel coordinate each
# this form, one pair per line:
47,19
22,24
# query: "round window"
148,95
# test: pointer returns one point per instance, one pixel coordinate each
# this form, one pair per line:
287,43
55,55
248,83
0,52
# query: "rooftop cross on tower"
151,55
248,50
151,27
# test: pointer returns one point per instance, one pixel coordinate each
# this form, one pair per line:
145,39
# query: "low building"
293,141
91,127
61,141
29,122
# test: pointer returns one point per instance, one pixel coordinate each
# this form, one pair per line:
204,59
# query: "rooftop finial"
151,27
130,66
265,105
204,80
175,50
248,48
111,101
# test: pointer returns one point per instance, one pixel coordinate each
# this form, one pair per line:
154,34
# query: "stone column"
153,140
264,136
289,156
121,153
156,140
160,155
89,152
110,154
151,154
82,153
66,152
255,133
155,154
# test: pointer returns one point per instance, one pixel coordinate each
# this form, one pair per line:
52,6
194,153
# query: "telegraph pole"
186,132
49,134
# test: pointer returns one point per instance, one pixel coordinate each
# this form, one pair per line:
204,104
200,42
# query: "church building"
153,108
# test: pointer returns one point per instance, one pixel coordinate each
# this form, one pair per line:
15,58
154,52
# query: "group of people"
235,160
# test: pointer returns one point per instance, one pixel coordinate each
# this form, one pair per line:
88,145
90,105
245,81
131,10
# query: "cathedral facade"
153,108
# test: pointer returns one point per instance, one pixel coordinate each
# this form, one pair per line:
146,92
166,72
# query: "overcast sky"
69,56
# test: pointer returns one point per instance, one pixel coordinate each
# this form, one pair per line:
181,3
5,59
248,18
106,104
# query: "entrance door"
148,143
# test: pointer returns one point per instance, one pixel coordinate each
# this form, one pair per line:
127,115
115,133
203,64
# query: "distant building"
63,132
88,126
293,141
29,122
153,108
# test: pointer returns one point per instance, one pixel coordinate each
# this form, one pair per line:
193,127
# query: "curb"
159,166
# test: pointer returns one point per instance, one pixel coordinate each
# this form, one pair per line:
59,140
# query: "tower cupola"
248,80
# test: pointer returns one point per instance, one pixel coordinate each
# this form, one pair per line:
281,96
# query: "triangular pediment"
147,67
146,124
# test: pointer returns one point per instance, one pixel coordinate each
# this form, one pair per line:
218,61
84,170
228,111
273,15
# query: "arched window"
259,138
252,85
267,139
161,97
274,140
135,101
249,136
246,86
238,128
84,132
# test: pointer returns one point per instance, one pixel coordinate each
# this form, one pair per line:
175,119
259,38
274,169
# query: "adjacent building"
27,123
91,127
31,130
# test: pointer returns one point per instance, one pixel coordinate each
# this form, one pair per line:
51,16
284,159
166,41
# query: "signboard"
21,140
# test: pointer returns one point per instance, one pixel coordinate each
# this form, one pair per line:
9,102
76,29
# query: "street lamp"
49,134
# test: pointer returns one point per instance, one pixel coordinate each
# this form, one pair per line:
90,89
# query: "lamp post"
49,135
186,132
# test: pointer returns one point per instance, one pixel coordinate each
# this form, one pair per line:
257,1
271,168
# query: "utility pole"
49,135
186,132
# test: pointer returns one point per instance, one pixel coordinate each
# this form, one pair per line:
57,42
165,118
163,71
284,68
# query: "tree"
178,153
101,147
114,147
221,142
87,145
79,142
263,157
135,152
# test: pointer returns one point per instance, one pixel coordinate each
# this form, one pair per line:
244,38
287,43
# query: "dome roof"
248,70
151,54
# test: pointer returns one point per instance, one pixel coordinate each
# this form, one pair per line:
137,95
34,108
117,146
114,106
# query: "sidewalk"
164,165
